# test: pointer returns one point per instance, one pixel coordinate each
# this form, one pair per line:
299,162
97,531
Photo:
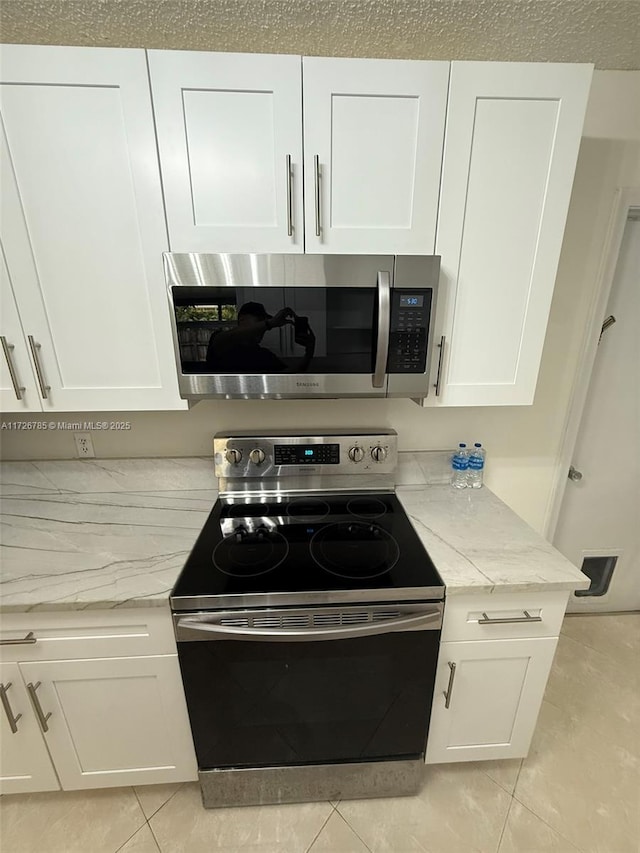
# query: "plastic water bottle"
459,467
475,471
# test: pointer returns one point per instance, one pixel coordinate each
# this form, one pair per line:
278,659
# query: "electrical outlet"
84,445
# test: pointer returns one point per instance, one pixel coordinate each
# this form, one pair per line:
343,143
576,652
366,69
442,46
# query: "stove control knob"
257,456
233,456
378,454
356,454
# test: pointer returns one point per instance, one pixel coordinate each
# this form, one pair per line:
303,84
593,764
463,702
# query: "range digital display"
306,454
407,301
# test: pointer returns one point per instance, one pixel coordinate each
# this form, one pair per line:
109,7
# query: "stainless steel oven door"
292,326
270,688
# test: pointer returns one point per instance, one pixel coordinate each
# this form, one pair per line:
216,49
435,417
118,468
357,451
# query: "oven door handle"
384,325
186,628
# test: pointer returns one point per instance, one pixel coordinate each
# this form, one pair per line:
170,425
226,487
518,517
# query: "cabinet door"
24,761
17,382
228,127
83,229
513,132
494,694
376,128
119,721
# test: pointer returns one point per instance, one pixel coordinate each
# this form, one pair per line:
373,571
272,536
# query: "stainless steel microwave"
302,326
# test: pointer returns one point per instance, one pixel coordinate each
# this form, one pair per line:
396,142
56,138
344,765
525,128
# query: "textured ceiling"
605,32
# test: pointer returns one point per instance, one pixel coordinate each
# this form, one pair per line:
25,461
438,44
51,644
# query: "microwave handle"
384,325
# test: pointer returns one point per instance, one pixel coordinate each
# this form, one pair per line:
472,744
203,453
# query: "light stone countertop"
96,534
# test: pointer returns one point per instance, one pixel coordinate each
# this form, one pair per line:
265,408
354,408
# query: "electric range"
308,619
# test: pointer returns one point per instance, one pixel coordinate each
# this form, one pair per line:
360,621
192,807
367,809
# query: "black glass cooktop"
320,549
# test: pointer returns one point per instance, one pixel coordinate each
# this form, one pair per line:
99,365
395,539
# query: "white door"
512,138
24,761
115,721
230,140
18,391
83,227
598,520
494,695
373,135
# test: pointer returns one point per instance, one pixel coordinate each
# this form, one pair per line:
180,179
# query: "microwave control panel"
408,339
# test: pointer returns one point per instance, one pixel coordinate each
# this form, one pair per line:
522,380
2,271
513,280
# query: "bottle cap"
477,444
462,444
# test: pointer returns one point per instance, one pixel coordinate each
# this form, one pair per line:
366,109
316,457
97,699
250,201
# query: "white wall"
522,442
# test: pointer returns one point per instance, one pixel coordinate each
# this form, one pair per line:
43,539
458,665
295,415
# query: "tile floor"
578,790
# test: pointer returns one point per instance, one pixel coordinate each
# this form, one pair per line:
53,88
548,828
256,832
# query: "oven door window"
255,704
314,329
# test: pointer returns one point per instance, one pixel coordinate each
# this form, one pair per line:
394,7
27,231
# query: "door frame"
625,199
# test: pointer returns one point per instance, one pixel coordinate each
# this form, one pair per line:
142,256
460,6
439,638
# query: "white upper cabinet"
230,136
373,133
512,138
230,142
83,229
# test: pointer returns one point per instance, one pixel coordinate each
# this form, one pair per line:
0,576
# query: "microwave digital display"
411,301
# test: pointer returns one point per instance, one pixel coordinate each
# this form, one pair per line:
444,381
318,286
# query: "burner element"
248,555
308,509
354,549
367,507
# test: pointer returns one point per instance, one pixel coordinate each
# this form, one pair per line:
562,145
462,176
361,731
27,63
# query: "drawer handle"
25,641
487,620
7,708
37,707
449,690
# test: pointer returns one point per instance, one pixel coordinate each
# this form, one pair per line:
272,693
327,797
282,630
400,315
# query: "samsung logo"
308,384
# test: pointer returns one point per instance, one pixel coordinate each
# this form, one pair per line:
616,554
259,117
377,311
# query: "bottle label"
476,463
459,464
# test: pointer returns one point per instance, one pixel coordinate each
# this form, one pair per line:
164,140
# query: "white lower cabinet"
495,657
487,698
113,721
25,765
98,722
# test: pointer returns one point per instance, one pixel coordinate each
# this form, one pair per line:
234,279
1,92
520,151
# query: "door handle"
7,347
37,707
44,388
384,322
447,693
289,198
440,361
316,175
13,721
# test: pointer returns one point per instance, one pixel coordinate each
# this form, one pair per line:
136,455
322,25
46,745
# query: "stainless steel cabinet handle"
7,347
316,174
13,721
270,635
384,320
37,707
24,641
487,620
449,690
36,360
289,198
440,360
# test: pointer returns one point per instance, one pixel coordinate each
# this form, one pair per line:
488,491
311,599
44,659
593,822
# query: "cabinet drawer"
98,633
484,617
